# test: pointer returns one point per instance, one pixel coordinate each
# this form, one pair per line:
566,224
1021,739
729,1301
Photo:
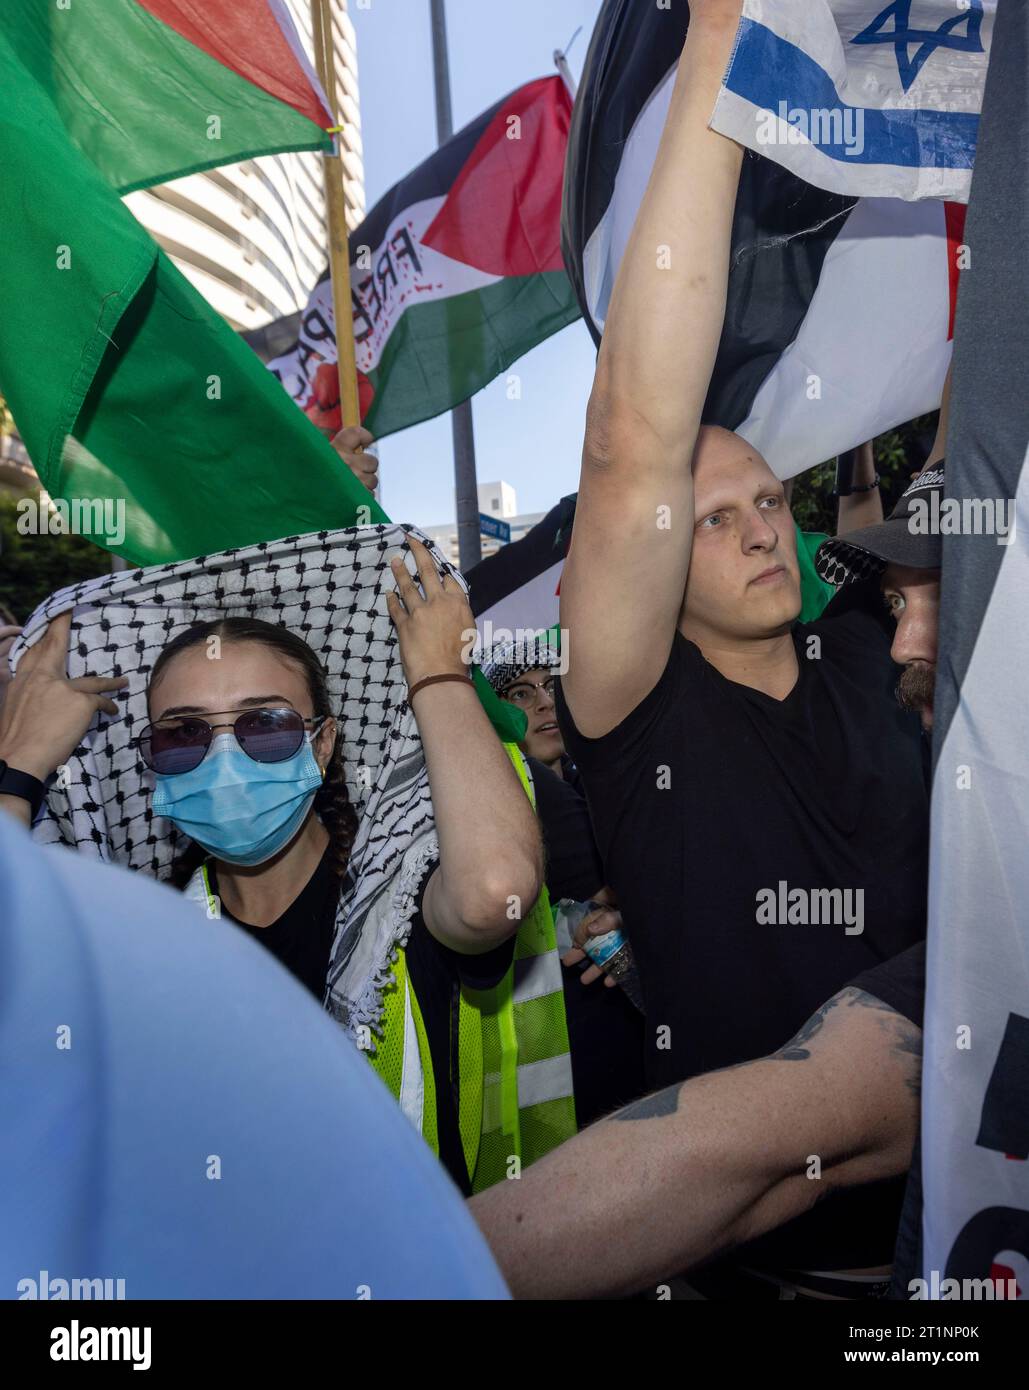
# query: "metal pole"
561,63
466,492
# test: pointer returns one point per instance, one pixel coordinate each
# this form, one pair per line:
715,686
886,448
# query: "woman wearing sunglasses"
247,762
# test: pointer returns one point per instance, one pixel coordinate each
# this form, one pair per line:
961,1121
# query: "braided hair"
332,801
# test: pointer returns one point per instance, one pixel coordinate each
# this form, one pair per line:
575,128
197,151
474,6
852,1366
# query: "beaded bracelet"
865,487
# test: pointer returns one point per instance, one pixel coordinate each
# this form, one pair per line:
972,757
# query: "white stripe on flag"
411,274
978,954
872,350
532,606
284,19
602,254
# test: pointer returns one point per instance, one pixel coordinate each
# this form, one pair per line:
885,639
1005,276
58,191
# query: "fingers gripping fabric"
330,589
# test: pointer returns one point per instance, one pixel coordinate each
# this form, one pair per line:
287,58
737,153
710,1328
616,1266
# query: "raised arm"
692,1171
491,858
939,448
623,582
863,508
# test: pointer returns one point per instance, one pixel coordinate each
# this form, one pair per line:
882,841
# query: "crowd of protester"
744,711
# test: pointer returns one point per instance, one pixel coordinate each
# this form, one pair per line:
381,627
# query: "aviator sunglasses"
180,744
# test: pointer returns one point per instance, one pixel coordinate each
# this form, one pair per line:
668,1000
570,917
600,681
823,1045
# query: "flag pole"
336,220
466,491
560,56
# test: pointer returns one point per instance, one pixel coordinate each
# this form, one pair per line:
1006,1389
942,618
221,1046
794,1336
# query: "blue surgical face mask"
241,811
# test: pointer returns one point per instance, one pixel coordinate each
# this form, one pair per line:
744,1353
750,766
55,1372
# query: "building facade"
498,501
251,237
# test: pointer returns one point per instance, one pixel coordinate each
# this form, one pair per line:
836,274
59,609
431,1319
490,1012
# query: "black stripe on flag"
782,227
514,565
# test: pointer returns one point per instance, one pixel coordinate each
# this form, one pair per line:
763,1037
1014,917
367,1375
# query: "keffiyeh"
329,588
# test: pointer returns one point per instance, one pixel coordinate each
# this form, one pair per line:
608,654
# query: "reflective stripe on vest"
402,1058
528,1106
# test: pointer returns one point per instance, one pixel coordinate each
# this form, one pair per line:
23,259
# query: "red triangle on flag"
503,213
247,37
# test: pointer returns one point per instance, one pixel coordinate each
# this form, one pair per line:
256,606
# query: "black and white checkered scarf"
329,588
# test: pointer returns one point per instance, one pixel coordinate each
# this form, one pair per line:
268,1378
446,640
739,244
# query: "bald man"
757,793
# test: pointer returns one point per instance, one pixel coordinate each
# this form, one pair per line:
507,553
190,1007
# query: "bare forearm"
666,312
861,508
700,1168
488,834
940,442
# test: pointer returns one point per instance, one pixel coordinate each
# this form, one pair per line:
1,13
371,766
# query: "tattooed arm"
684,1175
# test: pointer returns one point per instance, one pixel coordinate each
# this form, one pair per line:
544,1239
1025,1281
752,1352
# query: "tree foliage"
34,566
898,455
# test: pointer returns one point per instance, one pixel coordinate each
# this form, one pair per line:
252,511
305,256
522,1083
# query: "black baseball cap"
865,553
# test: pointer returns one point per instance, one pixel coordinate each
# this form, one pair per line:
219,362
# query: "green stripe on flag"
138,99
442,352
174,418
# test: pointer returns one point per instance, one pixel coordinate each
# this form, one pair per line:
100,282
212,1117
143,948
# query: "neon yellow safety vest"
515,1099
528,1106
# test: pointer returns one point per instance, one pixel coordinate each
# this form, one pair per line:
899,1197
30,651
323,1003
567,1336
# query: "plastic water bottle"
611,952
614,956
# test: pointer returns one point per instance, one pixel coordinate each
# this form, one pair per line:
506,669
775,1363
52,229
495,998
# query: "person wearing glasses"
247,760
524,673
605,1030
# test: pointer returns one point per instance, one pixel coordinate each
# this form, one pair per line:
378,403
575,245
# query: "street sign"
491,526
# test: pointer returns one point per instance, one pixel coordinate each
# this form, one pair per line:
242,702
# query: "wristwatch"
23,784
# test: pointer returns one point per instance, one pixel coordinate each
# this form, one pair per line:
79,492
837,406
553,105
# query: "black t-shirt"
709,792
302,940
605,1029
899,982
573,867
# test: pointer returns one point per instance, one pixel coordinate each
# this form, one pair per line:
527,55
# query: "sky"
495,45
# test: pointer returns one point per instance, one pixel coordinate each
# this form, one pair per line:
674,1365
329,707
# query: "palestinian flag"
517,589
518,586
128,389
975,1134
454,274
150,90
840,309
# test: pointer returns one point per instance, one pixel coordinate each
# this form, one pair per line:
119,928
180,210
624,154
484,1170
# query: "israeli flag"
862,97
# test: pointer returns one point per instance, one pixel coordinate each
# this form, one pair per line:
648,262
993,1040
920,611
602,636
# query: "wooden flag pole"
336,219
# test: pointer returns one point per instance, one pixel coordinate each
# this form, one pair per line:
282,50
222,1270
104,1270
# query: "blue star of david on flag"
903,37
